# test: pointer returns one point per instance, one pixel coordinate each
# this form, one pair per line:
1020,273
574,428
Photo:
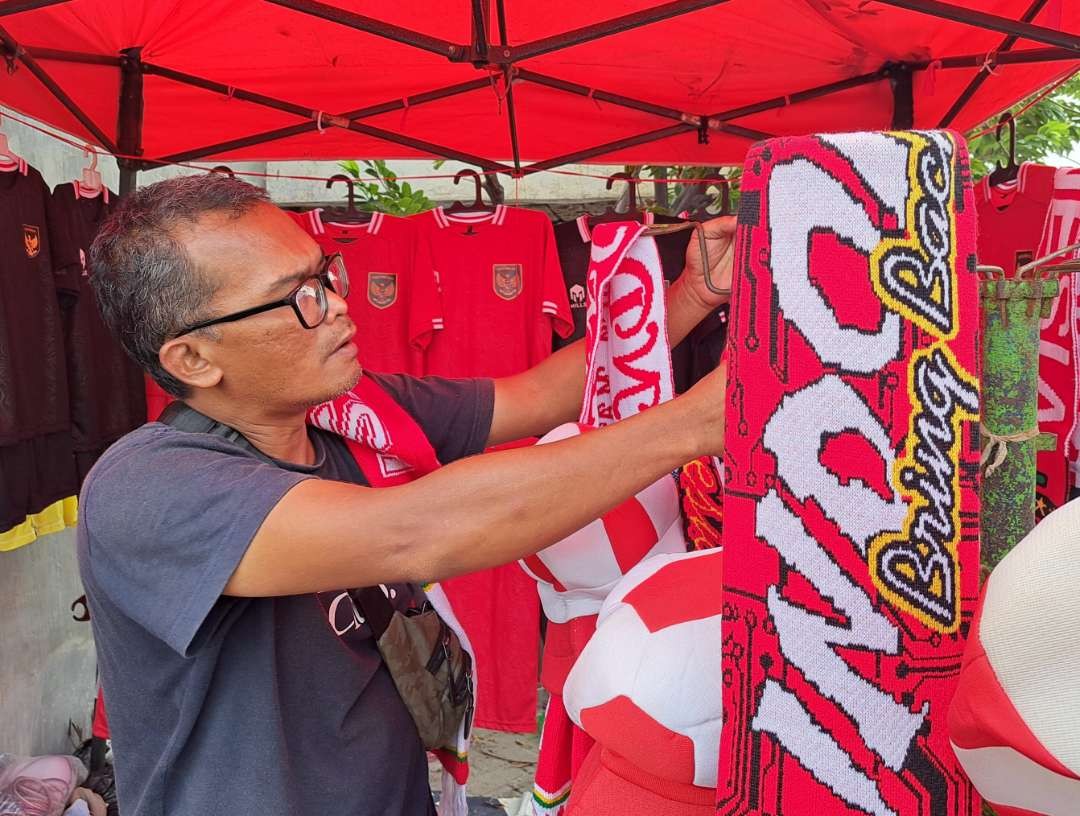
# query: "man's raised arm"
475,513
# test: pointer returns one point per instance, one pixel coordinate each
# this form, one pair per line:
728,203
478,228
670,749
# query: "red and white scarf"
628,369
391,449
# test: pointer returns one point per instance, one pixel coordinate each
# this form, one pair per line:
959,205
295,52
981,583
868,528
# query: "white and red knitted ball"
648,684
1015,719
575,575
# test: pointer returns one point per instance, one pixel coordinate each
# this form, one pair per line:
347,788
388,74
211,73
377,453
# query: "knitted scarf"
391,449
851,492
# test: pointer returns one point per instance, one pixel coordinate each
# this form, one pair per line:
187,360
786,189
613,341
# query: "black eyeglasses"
308,300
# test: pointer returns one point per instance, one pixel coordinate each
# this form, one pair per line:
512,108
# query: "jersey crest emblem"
31,240
381,289
507,280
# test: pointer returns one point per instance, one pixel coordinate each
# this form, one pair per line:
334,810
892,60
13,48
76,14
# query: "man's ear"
184,358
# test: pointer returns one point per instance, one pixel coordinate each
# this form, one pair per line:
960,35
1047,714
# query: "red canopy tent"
515,86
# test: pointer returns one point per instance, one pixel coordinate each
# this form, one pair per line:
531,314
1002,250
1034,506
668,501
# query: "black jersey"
691,359
33,380
107,392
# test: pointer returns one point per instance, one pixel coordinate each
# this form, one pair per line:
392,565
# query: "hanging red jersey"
393,297
1012,215
503,295
502,291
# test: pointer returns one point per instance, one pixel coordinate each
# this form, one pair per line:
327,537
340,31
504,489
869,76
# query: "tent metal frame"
502,60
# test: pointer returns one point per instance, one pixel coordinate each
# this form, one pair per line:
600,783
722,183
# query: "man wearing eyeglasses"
207,564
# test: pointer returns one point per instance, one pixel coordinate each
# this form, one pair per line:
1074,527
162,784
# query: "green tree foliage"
1050,127
378,190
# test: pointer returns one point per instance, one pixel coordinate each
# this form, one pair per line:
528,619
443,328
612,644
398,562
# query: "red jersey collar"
496,218
82,191
372,227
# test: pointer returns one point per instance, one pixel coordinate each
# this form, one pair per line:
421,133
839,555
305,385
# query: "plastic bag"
38,786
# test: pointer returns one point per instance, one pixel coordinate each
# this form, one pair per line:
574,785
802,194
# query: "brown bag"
429,666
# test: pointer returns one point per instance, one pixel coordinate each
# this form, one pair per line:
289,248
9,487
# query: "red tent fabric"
713,58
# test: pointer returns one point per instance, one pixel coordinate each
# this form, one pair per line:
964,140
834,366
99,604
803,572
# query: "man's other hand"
720,246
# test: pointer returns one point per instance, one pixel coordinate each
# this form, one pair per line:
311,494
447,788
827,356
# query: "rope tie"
990,63
930,77
997,447
319,124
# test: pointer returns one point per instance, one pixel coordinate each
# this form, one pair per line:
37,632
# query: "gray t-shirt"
245,707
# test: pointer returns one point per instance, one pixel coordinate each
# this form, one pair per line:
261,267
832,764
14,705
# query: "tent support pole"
19,6
130,118
991,22
617,25
312,115
902,81
308,127
981,77
599,95
798,96
444,48
599,150
1028,56
57,55
13,50
508,80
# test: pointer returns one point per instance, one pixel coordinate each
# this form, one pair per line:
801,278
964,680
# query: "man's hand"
719,246
707,400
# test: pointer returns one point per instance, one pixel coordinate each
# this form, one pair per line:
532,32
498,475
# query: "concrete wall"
47,662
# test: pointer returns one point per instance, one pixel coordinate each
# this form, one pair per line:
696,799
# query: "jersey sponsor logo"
577,296
382,290
507,280
31,240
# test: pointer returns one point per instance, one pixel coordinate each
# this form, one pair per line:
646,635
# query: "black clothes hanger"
1012,169
478,204
702,213
347,214
632,212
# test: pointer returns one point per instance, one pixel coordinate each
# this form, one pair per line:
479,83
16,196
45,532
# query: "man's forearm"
550,393
506,505
471,514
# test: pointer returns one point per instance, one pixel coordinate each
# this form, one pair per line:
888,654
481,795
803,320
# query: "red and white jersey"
1012,216
502,291
393,297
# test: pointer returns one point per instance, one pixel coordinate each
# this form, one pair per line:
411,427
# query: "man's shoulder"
155,458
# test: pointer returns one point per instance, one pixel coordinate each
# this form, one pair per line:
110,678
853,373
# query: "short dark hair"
146,284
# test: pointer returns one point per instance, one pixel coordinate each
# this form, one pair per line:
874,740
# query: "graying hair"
147,286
